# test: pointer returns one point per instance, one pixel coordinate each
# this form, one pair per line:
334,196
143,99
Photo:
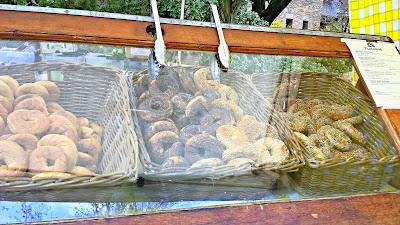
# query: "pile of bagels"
190,121
38,138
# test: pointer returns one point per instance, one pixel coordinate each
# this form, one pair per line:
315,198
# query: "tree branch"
275,7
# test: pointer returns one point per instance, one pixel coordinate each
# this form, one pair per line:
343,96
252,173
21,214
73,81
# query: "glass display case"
286,120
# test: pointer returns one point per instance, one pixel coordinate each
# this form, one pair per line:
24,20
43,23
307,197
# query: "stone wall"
302,10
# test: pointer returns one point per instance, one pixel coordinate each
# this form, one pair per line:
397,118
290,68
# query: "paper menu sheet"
379,65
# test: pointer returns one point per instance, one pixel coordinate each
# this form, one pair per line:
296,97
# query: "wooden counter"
382,208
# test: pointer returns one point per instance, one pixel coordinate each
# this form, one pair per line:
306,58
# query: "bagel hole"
156,106
201,151
217,120
50,162
163,88
2,163
167,146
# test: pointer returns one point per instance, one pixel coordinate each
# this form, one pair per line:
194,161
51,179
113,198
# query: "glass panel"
268,128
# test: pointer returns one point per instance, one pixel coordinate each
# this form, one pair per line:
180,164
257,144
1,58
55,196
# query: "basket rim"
322,163
10,184
151,169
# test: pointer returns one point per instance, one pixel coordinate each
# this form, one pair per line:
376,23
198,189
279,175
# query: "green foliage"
249,63
194,9
249,17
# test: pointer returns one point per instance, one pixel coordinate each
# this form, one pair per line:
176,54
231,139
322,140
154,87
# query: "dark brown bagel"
218,117
181,120
180,101
197,107
188,132
15,157
160,144
39,158
202,146
186,78
155,108
159,126
209,94
175,161
164,85
142,84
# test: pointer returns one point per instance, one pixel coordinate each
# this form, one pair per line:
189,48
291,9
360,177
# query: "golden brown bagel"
34,103
7,130
40,157
65,144
97,130
52,88
27,96
28,122
11,82
71,117
79,170
89,146
3,112
202,79
2,126
27,141
87,132
53,175
53,107
15,157
61,125
31,88
83,122
6,103
85,160
5,137
6,91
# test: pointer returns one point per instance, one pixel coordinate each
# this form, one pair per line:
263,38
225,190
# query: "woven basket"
101,95
337,176
245,175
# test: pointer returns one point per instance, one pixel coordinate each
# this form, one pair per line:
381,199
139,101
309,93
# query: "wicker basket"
245,175
99,94
337,176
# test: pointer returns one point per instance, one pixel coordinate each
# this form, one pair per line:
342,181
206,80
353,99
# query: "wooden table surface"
379,208
382,208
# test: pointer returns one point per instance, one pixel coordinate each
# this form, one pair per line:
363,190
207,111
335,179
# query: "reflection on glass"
253,134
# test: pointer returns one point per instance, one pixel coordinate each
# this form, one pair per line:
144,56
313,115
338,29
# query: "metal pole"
182,17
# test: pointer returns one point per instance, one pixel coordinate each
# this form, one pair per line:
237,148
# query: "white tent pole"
182,17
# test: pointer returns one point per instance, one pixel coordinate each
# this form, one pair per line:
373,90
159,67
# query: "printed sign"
379,65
